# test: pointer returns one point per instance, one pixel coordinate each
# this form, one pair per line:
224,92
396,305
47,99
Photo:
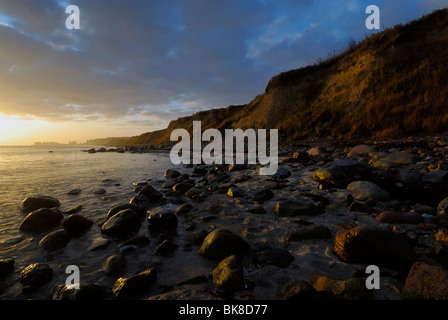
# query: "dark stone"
172,174
293,208
183,209
34,203
263,195
257,210
221,243
349,289
115,265
41,220
54,240
76,224
182,187
282,174
196,237
162,218
6,266
35,276
229,274
340,173
86,292
194,280
399,217
138,209
278,257
235,192
73,210
237,167
123,224
374,246
150,193
129,288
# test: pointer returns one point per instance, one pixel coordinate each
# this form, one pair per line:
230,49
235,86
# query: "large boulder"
162,218
115,265
128,288
122,224
341,172
34,203
150,193
55,240
34,276
363,190
41,220
373,245
76,224
426,282
229,274
221,243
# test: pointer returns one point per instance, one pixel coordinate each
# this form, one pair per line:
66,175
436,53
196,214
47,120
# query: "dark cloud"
148,62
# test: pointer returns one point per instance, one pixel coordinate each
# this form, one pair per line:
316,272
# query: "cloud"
148,62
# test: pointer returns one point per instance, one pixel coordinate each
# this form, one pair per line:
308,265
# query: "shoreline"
292,226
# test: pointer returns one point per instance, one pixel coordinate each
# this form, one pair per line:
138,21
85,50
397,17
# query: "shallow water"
29,171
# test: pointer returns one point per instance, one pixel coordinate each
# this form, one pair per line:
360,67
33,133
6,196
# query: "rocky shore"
226,232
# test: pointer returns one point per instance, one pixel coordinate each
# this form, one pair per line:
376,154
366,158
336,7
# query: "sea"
27,171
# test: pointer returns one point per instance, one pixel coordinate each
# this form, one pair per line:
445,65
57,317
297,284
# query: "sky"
135,65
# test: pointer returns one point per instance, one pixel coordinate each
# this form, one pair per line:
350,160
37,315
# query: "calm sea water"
29,171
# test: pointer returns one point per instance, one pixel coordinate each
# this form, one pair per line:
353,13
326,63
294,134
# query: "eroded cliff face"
393,83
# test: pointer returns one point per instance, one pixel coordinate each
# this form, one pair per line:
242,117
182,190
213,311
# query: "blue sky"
135,65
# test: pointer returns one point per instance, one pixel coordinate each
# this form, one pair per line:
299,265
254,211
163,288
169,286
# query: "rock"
183,209
182,187
426,282
296,290
309,233
361,150
35,276
282,173
137,241
407,176
165,248
115,265
363,190
221,243
86,292
74,192
54,240
263,195
140,210
442,207
297,207
402,158
122,224
194,280
34,203
73,210
317,151
6,266
374,246
150,193
342,172
439,177
76,225
350,289
99,191
41,220
442,236
356,206
99,243
277,257
162,218
235,192
169,184
128,288
196,194
229,275
399,217
172,174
